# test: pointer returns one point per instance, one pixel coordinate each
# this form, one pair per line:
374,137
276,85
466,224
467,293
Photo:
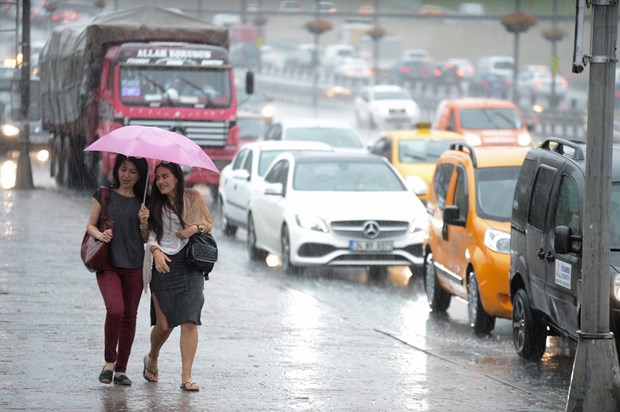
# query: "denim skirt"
178,292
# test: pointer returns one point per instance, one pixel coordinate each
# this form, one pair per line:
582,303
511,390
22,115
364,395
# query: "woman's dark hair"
158,201
143,169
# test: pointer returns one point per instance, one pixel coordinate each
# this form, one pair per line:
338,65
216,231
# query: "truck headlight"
9,130
311,222
497,241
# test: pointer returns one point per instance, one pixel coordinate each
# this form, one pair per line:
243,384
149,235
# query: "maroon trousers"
121,290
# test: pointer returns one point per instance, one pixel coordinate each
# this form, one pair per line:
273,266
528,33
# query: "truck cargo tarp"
74,53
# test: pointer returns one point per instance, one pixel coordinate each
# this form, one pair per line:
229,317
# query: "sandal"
106,375
146,370
192,387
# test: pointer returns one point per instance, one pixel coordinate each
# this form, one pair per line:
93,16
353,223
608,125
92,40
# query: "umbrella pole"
146,185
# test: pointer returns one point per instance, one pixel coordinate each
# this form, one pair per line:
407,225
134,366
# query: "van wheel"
482,322
438,299
528,331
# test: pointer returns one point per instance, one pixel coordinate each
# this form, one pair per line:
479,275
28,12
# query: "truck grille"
204,134
354,229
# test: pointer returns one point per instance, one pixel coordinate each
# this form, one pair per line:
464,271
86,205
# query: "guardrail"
298,86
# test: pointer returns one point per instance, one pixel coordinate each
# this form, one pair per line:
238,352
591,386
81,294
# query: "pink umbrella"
154,143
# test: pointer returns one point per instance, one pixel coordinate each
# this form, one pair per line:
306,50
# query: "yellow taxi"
414,153
467,246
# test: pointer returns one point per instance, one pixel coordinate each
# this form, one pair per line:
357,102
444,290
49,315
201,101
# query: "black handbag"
202,252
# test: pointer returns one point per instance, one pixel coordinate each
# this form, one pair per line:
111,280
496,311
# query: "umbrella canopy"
154,143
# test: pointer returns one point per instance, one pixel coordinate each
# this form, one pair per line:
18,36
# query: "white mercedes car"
248,167
335,209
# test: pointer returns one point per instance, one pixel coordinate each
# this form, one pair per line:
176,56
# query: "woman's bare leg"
189,344
159,335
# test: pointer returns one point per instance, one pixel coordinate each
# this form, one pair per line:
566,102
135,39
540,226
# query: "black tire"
528,331
253,252
227,228
438,299
287,266
479,320
377,274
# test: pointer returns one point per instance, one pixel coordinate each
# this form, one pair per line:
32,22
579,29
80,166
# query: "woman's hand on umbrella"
143,215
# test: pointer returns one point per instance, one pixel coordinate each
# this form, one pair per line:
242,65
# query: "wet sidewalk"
255,351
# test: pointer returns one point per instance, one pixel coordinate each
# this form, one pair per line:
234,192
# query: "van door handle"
541,254
549,257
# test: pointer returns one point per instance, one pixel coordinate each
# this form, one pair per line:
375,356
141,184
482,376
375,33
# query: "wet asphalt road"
323,341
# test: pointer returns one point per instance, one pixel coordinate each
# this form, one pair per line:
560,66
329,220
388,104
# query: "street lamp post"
23,178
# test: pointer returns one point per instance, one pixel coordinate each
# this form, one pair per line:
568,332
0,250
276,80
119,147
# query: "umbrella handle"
146,185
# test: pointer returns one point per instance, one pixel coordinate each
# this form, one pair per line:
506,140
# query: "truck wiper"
158,86
196,87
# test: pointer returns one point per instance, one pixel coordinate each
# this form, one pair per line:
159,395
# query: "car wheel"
377,274
528,331
253,252
287,266
438,299
482,322
227,228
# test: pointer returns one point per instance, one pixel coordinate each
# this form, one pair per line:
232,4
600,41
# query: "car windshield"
333,136
178,86
392,95
495,187
428,151
346,176
490,118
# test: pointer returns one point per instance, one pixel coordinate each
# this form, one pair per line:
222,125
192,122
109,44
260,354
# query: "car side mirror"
451,216
565,242
241,174
274,189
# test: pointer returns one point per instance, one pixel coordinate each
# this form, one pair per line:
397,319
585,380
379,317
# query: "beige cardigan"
195,212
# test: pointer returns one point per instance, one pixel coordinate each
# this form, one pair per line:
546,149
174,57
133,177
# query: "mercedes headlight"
311,222
420,223
497,241
417,185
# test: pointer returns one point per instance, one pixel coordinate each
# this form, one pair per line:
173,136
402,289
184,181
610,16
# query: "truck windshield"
178,86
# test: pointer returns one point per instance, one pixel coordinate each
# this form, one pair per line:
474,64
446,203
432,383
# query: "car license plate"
370,246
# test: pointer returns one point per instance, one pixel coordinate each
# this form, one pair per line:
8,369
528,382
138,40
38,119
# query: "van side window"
442,180
540,197
568,211
522,193
461,193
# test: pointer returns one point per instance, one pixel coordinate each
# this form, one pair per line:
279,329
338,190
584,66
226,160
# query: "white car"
248,167
386,106
340,135
335,209
536,80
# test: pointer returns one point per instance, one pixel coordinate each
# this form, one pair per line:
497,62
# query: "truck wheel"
482,322
528,331
57,163
438,299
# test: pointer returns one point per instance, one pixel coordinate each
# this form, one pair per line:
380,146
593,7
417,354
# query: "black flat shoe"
106,376
122,380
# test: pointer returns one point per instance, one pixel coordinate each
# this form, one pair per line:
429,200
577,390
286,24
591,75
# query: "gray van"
546,246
